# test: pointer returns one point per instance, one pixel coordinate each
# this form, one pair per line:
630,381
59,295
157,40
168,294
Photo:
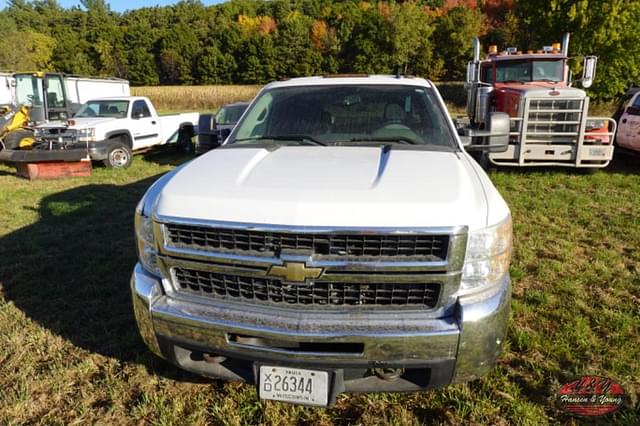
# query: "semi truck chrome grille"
554,121
431,247
263,290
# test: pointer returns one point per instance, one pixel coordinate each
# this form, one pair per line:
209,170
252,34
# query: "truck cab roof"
524,57
351,79
120,98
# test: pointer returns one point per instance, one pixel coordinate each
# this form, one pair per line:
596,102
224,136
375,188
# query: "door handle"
153,122
624,120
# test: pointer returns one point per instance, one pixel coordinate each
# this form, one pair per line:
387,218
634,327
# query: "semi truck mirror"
589,71
499,126
472,72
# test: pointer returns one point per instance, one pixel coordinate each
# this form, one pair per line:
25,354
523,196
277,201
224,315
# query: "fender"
121,132
98,150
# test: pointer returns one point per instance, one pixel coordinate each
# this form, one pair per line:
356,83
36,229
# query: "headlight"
595,124
38,132
146,243
488,256
87,133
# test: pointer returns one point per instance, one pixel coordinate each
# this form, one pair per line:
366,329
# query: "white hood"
80,123
328,186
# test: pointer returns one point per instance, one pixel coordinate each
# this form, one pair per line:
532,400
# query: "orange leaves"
319,34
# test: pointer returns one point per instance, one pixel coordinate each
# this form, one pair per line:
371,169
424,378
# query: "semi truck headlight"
488,256
38,132
146,243
595,124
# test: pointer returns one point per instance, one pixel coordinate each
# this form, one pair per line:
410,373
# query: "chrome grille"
60,135
554,120
430,247
264,290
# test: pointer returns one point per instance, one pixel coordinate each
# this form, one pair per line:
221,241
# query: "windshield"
28,90
230,114
116,109
525,71
349,114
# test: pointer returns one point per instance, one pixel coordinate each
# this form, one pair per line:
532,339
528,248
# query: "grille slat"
264,290
432,247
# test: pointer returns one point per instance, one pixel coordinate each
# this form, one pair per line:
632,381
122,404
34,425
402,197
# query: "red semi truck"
549,125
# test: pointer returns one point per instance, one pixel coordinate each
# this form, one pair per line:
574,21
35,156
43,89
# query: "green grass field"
70,352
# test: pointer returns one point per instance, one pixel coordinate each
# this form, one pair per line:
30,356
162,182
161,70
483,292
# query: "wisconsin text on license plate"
294,385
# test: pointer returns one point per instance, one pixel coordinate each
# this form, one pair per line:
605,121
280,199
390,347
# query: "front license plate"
294,385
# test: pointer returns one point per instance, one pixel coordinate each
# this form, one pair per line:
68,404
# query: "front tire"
19,139
119,156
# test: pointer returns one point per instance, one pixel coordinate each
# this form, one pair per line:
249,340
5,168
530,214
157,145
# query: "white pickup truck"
110,129
349,244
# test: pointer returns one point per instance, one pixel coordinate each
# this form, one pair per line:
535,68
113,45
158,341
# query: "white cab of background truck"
110,129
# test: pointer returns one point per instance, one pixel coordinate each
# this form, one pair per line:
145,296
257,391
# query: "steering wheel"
397,130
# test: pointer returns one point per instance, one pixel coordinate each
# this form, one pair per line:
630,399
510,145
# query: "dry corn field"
198,98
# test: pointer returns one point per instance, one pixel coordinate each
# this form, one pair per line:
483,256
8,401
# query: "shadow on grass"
625,162
169,155
69,272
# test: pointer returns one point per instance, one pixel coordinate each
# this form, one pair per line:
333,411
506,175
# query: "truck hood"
328,186
80,123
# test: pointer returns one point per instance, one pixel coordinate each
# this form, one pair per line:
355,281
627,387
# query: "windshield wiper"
394,139
287,138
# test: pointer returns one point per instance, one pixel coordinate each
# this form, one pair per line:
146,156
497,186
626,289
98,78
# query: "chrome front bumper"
455,348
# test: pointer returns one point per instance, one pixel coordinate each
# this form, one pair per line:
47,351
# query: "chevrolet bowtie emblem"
294,272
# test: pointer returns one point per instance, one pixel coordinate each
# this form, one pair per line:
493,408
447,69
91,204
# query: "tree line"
256,41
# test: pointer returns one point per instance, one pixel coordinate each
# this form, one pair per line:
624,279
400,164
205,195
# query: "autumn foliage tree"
255,41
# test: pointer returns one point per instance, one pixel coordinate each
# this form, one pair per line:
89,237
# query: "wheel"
119,155
185,144
19,139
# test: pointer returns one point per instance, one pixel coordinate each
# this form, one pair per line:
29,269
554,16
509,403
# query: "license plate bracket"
294,385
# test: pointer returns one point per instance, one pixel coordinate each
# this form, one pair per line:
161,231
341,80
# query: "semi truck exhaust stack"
476,50
565,44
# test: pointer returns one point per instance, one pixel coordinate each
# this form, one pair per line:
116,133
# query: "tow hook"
213,358
388,373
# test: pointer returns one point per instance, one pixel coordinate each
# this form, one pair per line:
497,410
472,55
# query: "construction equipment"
548,117
33,98
15,132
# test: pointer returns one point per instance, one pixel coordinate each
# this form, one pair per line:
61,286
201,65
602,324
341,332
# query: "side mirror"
496,139
224,133
472,73
589,71
632,110
139,115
